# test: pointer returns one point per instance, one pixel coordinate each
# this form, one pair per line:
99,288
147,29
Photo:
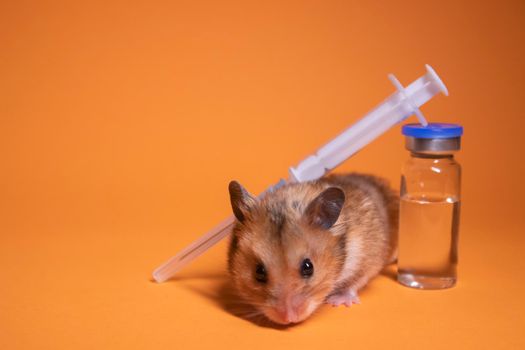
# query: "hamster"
305,244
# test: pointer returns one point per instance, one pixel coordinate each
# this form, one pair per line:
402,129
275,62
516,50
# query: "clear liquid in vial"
428,235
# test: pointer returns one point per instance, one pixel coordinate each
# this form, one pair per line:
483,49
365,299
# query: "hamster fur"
305,244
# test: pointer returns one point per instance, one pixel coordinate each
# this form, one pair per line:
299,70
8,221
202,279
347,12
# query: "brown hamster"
304,244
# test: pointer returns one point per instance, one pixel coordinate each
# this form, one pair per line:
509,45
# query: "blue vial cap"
432,131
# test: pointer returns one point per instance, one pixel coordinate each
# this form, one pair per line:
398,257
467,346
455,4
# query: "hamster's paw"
346,297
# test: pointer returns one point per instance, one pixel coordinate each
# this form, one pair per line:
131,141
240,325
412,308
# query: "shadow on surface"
390,272
223,296
220,293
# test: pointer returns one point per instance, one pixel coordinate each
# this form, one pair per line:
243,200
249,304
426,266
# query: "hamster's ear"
324,210
241,200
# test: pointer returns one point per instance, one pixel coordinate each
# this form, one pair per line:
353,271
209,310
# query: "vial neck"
431,155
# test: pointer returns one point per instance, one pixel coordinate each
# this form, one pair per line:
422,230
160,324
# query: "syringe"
396,108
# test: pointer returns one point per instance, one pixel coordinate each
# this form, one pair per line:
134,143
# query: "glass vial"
429,207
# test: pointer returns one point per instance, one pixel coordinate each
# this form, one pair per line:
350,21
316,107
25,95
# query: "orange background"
121,124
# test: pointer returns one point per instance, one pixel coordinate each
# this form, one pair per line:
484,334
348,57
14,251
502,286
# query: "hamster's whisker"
339,223
317,288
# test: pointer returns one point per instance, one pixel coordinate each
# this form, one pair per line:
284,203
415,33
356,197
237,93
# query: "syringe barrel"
191,252
198,247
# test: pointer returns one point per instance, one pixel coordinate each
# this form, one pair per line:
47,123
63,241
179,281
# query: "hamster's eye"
260,273
307,268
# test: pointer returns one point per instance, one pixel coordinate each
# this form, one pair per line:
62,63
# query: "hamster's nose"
291,309
288,315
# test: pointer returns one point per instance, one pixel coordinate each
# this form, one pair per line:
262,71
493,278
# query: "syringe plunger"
396,108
